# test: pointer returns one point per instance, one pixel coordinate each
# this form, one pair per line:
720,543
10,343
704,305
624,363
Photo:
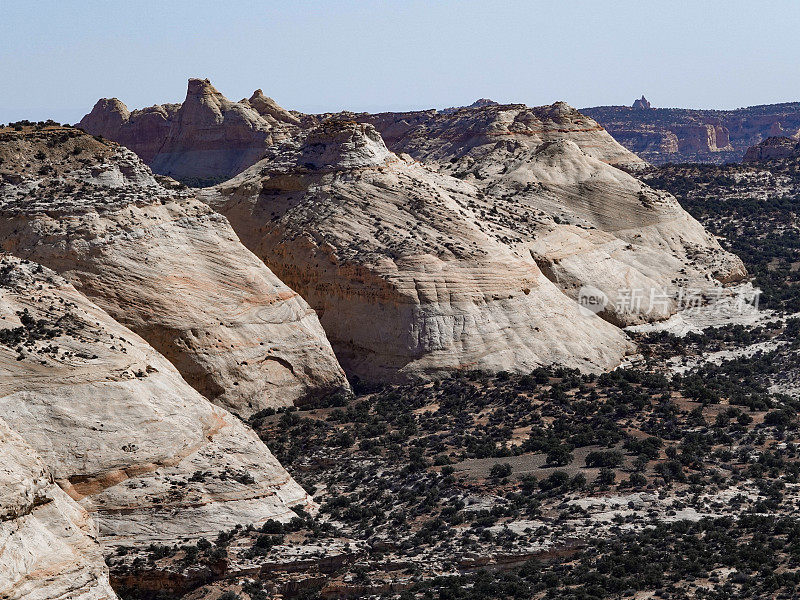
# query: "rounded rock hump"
201,87
203,102
107,114
116,425
344,145
410,281
471,137
44,531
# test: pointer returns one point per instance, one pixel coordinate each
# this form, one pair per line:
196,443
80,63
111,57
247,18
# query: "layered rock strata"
47,542
398,262
206,137
119,429
493,131
167,266
547,184
774,148
662,135
555,192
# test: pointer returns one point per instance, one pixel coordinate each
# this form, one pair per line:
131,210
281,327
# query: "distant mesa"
642,103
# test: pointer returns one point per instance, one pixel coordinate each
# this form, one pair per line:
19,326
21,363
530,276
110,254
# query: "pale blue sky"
58,57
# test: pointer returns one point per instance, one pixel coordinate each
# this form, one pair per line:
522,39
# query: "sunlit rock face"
117,427
547,186
48,547
408,279
558,194
167,266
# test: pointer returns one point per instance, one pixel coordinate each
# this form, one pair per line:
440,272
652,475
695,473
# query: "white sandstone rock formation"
168,267
398,264
554,193
551,185
119,429
47,542
605,229
490,134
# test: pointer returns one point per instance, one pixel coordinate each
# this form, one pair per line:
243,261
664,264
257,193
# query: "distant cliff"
661,135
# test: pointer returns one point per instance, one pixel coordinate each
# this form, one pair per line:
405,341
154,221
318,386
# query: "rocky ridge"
546,184
165,265
407,275
490,133
117,427
556,195
773,148
208,137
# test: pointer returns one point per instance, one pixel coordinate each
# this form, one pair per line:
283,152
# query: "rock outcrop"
406,276
269,109
557,196
205,138
662,135
119,430
773,148
546,183
210,138
47,542
601,228
490,132
165,265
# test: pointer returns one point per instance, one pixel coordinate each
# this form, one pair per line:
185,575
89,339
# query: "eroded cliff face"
662,135
47,542
117,427
544,185
397,261
206,137
167,266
